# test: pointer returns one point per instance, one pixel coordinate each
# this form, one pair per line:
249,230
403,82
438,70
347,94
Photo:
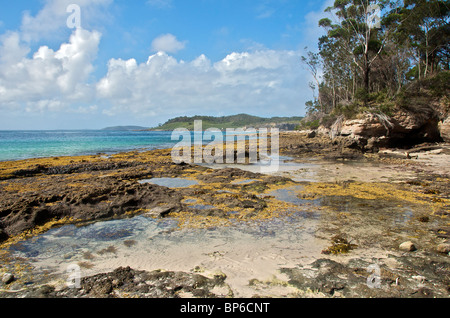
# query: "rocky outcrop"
34,195
367,127
404,129
444,129
416,127
127,282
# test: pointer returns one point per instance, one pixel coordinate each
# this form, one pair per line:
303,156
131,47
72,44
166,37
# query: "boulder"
367,127
369,132
7,278
408,246
312,134
443,248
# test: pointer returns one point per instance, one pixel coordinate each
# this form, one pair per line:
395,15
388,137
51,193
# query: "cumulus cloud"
167,43
50,79
255,81
11,48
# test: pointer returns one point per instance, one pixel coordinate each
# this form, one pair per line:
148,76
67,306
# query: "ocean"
17,145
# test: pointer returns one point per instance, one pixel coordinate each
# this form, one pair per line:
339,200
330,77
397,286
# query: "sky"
90,64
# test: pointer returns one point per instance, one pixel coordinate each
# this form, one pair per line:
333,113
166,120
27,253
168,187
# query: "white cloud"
11,48
85,110
259,81
262,81
167,43
311,30
50,79
52,18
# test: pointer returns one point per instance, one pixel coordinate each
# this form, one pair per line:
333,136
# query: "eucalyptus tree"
425,25
358,33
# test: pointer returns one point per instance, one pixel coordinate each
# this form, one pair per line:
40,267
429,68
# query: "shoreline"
95,189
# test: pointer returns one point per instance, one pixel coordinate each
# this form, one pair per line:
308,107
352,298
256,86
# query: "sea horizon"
31,144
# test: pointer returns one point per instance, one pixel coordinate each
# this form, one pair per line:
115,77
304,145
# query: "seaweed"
340,245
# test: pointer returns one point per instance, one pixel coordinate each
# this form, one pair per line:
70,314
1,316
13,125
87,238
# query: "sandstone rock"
367,127
7,278
312,134
408,246
444,129
374,131
160,211
443,248
322,130
420,125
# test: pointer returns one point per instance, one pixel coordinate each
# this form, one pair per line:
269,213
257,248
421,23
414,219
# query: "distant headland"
234,121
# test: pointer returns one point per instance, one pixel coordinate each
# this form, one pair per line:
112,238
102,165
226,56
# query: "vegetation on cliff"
380,56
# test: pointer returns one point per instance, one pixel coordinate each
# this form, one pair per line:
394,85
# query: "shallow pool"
170,182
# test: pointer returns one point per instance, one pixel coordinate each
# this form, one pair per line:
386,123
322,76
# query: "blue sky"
144,62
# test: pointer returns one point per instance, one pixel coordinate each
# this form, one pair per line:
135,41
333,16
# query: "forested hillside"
372,52
234,121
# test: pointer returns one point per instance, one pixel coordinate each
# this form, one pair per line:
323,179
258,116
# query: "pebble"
159,211
420,278
408,246
7,278
443,248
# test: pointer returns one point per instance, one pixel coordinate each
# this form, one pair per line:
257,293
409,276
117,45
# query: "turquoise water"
15,145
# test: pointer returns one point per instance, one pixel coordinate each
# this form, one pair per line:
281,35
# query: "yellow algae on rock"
368,191
35,231
194,221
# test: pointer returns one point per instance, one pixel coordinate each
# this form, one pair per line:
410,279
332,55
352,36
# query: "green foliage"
348,110
381,102
387,108
405,61
417,95
235,121
314,124
329,119
361,94
439,85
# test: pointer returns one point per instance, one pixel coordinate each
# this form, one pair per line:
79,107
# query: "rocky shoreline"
40,194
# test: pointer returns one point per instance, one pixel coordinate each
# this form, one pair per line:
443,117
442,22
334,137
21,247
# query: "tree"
356,34
372,48
313,63
425,24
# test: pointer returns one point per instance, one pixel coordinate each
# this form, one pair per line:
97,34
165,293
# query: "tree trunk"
366,84
334,94
426,52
